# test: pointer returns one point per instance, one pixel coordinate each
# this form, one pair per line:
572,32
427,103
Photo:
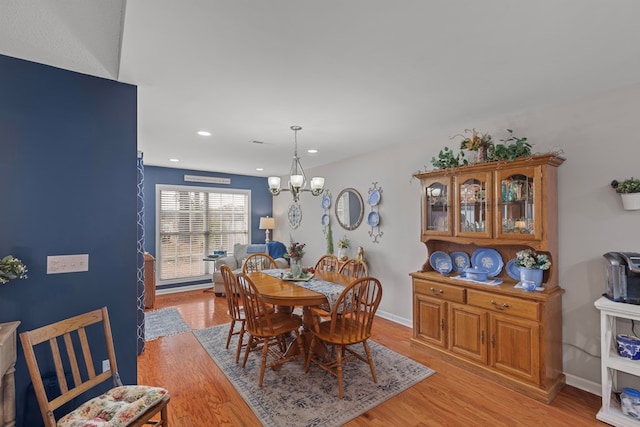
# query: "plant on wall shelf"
630,185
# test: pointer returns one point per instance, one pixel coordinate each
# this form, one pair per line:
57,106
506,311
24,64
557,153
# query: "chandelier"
297,178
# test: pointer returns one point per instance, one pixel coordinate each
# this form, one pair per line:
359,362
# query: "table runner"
329,289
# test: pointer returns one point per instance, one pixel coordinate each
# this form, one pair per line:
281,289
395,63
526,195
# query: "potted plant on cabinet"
629,191
531,264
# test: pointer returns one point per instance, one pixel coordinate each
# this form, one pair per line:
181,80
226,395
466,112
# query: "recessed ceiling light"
204,133
259,169
312,151
174,160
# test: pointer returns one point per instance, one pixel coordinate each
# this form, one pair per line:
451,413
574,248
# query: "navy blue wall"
261,198
68,186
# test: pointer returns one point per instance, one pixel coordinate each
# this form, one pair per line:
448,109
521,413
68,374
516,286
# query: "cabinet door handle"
493,340
437,292
442,324
502,307
481,337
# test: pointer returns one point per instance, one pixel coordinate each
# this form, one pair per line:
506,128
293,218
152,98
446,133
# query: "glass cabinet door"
519,204
436,206
473,201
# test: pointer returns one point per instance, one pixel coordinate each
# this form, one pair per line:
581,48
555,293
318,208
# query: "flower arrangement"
344,243
295,250
475,142
11,268
530,259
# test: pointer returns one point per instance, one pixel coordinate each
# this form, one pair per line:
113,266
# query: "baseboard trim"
174,290
584,384
397,319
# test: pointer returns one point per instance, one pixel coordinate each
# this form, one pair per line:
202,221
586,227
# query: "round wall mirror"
349,208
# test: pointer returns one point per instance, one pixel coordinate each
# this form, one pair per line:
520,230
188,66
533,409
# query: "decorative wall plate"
374,197
326,202
373,219
325,219
294,215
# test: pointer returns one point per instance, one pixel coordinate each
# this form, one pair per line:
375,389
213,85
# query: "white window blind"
193,222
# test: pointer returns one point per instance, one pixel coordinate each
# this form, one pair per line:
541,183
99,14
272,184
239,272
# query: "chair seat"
352,333
281,323
117,407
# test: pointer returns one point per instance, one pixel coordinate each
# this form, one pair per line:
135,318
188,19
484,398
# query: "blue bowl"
476,273
628,346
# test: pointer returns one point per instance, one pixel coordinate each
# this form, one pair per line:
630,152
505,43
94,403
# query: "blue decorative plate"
489,259
326,202
374,197
513,270
325,219
373,219
460,261
441,262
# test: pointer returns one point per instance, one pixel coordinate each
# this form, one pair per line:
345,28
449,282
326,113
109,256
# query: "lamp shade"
267,223
274,182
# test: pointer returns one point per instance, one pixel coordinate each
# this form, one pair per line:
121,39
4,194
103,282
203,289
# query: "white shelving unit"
612,363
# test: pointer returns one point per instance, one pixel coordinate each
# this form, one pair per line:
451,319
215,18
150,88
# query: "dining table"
274,288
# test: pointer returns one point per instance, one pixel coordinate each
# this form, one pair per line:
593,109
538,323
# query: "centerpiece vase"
296,267
531,275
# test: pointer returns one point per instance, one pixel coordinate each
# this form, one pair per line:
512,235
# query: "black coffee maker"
623,276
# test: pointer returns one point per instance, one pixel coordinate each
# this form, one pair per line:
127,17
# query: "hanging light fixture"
297,178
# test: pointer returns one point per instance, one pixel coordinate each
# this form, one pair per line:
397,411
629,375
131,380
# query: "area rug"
163,322
291,398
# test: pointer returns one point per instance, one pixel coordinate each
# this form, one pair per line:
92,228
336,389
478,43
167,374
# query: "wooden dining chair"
354,267
235,309
267,330
350,323
132,405
328,262
258,262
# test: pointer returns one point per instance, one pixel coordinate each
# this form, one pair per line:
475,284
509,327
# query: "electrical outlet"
106,365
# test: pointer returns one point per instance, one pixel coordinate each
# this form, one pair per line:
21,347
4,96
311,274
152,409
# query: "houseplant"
446,159
477,141
629,191
513,148
532,264
11,268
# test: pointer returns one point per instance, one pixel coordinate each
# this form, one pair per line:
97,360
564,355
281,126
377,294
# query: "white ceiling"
357,75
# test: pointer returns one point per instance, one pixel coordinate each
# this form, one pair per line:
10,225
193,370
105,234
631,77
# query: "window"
193,222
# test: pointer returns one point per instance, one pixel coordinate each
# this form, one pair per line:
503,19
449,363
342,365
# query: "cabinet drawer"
503,304
439,290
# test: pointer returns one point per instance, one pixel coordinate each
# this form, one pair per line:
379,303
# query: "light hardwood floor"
202,396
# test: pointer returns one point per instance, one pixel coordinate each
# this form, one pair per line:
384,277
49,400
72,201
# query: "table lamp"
267,223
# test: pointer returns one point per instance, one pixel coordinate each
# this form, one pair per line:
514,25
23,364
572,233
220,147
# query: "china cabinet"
500,331
612,363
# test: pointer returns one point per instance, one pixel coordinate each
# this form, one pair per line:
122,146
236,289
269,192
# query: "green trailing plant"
329,239
630,185
512,149
447,159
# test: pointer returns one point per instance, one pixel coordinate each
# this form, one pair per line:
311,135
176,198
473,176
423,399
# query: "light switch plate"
67,263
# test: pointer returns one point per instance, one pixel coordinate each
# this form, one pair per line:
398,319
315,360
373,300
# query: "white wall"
599,139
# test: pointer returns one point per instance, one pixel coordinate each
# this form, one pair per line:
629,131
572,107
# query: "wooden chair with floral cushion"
350,323
132,405
267,329
258,262
235,310
355,268
328,262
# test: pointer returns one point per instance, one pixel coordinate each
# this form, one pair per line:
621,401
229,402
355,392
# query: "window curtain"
140,260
